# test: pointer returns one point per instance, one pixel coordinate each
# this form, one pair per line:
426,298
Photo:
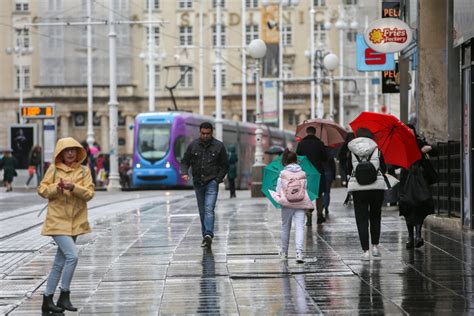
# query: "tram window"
153,141
179,147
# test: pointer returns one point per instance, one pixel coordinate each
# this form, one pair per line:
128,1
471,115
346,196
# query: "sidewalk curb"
444,221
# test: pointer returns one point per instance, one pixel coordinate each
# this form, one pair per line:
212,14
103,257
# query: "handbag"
429,171
31,170
416,190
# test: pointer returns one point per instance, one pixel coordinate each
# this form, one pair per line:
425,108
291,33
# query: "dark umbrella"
275,150
395,140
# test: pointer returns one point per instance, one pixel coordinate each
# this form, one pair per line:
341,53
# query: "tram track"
36,210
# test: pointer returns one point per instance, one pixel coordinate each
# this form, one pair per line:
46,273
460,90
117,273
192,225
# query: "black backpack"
365,171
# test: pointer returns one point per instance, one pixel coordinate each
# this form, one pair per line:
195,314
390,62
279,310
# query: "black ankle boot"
48,306
309,220
418,240
64,302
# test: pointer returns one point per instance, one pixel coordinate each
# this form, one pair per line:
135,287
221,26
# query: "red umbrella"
396,140
329,132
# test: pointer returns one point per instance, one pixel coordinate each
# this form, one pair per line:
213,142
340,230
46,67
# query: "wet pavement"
144,258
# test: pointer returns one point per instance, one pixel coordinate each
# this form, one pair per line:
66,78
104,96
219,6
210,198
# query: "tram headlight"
138,166
167,164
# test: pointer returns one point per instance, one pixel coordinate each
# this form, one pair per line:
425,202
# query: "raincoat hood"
293,167
69,142
362,146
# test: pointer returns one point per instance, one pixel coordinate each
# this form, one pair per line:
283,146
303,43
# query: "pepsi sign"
371,60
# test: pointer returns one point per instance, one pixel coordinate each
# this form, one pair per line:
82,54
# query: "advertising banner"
49,139
271,37
21,139
270,101
370,60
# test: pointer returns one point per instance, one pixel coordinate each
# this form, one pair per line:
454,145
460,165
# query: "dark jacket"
8,164
232,163
313,148
208,161
415,215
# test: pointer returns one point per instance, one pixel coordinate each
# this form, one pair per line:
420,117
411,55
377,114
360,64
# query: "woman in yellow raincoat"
68,186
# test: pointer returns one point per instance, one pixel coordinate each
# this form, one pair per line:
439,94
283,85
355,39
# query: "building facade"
52,67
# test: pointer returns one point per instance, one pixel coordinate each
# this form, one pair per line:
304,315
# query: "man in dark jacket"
207,158
313,148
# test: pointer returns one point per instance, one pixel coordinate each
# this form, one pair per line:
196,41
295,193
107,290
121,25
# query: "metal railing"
447,192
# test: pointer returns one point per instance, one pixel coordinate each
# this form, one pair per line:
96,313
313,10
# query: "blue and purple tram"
160,140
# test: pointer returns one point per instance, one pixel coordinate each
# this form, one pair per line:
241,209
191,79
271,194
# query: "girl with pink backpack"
293,198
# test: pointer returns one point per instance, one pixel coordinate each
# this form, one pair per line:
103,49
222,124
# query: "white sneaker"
299,257
283,255
375,251
365,256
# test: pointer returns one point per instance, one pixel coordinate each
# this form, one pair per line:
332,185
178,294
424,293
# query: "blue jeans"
206,196
327,194
64,263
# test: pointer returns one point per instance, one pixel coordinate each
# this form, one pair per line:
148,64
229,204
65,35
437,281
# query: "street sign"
38,111
370,60
389,81
388,35
391,9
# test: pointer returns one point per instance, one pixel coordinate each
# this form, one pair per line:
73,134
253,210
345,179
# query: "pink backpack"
293,185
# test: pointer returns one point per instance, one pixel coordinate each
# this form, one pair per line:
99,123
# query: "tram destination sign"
38,111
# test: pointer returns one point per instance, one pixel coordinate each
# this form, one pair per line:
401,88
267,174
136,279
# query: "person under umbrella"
293,198
416,212
313,148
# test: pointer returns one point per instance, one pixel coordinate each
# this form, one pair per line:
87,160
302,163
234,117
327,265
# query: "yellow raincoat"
67,212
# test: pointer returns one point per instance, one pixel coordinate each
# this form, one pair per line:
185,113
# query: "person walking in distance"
8,163
313,148
293,198
68,187
367,186
208,160
232,170
34,165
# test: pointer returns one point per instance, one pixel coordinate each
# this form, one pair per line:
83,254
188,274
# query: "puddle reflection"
370,299
208,297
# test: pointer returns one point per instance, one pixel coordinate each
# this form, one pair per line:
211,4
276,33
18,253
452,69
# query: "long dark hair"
288,157
364,132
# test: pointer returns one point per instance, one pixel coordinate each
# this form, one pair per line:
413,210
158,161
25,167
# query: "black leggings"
368,207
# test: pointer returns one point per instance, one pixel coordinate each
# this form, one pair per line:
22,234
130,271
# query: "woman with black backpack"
367,186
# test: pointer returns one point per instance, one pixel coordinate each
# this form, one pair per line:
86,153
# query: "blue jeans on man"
206,196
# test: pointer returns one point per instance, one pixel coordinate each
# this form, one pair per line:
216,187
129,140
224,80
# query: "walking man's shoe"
203,243
207,241
299,257
321,219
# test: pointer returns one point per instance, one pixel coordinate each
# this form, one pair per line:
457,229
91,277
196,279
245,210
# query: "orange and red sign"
388,35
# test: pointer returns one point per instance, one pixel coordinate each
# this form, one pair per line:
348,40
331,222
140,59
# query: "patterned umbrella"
328,131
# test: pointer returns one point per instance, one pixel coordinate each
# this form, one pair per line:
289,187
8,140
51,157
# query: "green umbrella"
272,172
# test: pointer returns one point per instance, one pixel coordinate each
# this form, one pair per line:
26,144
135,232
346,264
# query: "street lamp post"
257,50
114,184
19,50
331,61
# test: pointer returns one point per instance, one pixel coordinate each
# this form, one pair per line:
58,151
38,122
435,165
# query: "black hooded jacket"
313,148
208,161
